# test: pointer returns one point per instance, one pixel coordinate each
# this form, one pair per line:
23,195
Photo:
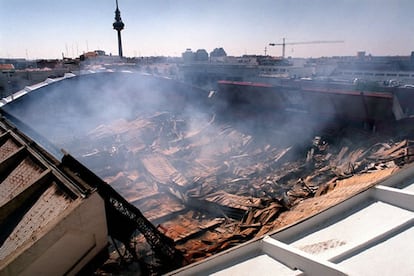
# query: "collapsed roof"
206,175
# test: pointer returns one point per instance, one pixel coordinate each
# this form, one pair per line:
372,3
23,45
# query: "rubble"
213,185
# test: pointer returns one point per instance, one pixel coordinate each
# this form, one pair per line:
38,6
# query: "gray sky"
48,28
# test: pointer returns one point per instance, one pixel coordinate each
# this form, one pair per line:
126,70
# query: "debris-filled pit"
218,184
210,177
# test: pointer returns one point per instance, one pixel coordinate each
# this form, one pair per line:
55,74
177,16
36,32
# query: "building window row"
376,74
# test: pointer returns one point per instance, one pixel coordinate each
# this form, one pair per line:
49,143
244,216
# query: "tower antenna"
118,26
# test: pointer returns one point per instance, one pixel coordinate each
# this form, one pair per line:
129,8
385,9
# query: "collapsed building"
197,171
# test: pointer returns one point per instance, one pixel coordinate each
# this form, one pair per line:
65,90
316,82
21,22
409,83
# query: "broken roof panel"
354,237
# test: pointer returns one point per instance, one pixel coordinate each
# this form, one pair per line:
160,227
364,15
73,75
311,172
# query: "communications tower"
118,26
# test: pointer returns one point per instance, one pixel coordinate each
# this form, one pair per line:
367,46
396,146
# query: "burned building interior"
207,172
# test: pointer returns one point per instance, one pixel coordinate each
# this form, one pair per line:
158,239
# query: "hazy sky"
48,28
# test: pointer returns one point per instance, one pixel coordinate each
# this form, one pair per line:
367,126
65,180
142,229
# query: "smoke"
66,112
71,108
167,132
149,136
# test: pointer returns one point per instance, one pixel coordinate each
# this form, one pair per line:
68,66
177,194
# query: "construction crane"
298,43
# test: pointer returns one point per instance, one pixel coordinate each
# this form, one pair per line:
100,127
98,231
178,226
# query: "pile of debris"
209,184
